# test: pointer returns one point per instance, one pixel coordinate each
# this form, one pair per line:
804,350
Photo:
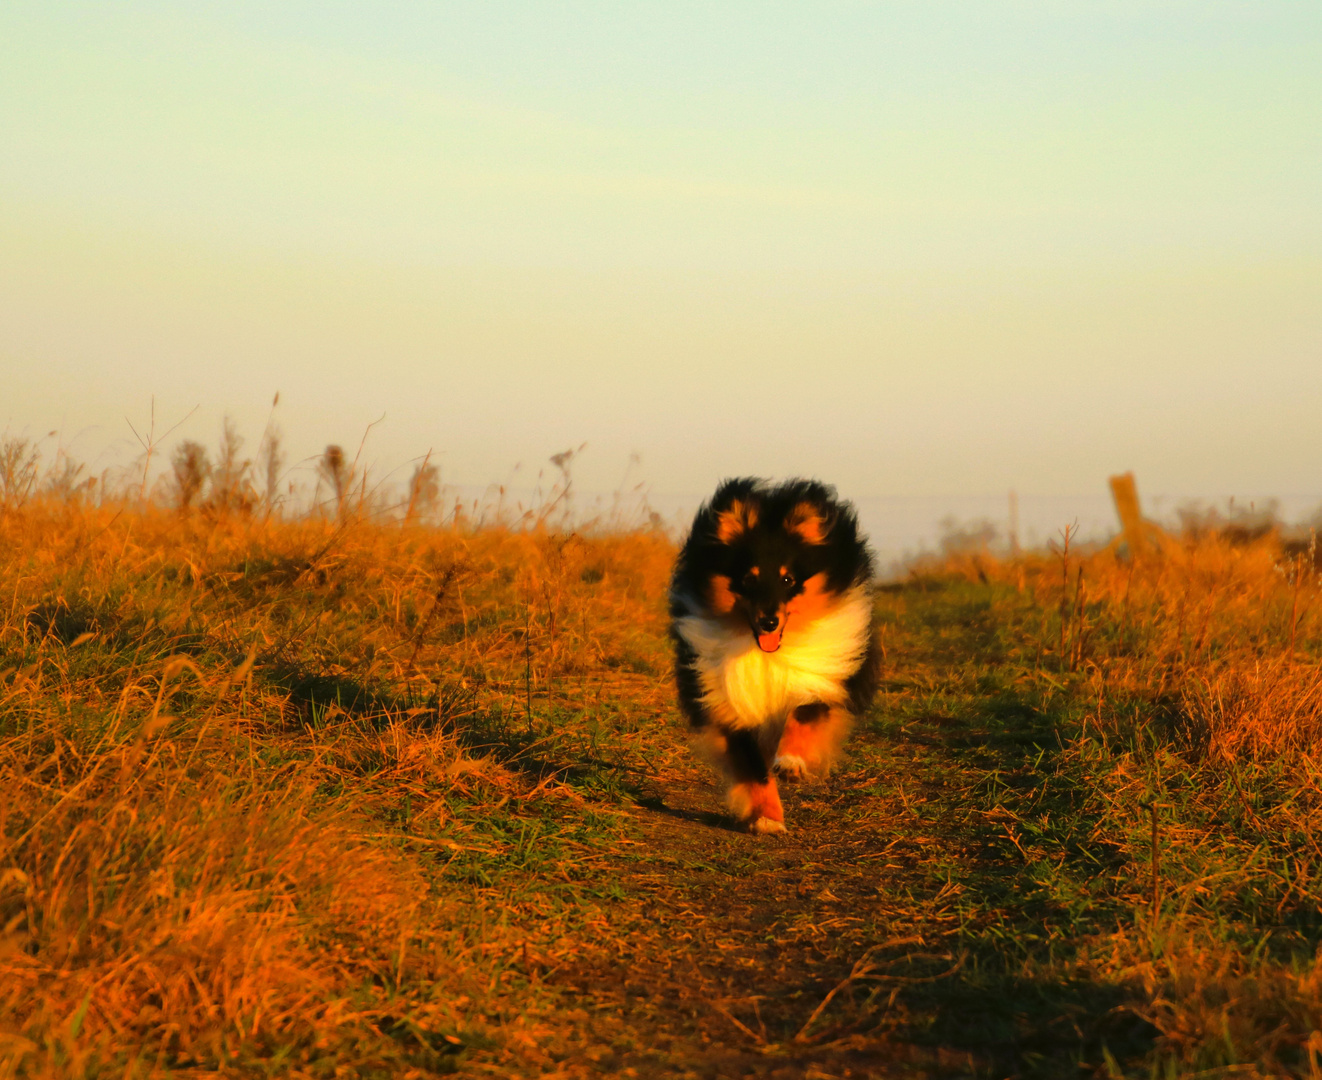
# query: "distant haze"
900,527
919,250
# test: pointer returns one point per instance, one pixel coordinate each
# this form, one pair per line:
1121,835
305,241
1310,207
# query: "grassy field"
335,798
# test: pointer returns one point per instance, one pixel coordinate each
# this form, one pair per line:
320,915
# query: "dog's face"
771,564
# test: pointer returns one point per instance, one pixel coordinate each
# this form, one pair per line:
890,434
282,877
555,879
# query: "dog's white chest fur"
751,687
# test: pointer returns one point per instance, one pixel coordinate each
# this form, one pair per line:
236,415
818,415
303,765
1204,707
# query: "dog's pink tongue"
769,642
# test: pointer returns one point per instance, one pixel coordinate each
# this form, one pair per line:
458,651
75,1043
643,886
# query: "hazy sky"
909,247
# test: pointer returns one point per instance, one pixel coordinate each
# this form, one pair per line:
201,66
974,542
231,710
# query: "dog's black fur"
762,566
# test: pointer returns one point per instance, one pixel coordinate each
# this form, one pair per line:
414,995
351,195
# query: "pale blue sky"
910,248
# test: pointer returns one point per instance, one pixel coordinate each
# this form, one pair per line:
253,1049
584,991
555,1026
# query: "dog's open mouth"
770,642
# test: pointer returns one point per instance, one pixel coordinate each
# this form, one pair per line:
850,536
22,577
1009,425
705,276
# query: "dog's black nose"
768,623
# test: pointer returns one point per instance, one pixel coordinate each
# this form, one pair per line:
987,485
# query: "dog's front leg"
753,796
811,740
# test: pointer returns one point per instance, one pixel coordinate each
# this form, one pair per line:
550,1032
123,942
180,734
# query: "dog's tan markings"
807,523
813,601
734,521
756,571
758,806
719,597
811,740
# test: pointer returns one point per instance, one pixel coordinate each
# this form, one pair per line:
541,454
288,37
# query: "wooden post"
1125,494
1014,525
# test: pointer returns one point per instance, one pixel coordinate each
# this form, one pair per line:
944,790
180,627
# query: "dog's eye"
787,580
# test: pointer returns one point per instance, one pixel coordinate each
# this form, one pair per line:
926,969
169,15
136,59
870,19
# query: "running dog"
772,619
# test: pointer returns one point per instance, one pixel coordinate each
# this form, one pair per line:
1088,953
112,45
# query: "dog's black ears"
811,516
809,522
735,520
735,508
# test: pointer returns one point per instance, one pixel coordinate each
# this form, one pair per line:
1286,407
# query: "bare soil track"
897,930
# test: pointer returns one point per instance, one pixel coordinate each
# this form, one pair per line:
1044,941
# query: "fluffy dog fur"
772,619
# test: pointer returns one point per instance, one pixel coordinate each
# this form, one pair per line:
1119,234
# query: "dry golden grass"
308,797
204,723
1223,633
1198,675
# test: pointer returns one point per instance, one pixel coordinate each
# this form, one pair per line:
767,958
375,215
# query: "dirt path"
899,929
726,967
740,941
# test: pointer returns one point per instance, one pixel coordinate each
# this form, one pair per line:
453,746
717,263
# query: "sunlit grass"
304,794
242,759
1183,689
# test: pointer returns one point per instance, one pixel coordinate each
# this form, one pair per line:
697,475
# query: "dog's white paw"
765,826
791,767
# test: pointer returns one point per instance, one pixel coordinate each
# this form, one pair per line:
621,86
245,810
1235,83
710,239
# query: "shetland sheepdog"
772,620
